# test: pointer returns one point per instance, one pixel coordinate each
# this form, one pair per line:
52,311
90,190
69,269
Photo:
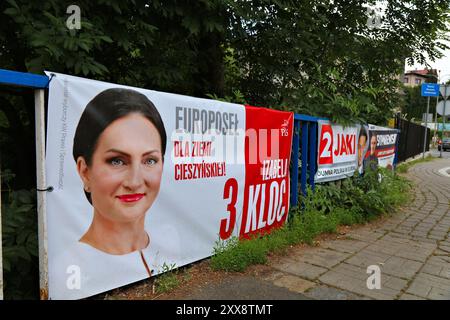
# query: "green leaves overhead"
317,57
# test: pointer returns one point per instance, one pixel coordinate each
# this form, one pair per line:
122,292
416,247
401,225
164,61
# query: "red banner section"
268,145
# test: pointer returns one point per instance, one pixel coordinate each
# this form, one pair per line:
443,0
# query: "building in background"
416,77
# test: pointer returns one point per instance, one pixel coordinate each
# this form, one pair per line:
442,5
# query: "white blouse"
82,270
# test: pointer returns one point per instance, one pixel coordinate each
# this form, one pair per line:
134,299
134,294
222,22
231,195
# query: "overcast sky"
442,64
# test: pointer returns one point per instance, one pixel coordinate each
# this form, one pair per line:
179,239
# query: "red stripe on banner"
385,152
268,145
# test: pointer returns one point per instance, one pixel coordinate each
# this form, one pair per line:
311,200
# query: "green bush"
20,245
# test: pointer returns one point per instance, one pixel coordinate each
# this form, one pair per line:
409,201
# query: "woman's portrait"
119,147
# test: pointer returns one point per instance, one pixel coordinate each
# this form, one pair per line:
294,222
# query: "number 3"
229,193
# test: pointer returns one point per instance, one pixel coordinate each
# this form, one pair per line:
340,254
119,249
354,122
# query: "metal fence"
411,139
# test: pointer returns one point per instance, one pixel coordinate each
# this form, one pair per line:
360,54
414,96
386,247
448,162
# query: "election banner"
382,147
337,151
146,181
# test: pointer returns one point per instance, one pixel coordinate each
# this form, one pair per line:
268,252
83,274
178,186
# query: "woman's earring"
87,189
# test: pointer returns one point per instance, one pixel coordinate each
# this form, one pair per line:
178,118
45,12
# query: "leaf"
84,46
106,39
11,12
13,3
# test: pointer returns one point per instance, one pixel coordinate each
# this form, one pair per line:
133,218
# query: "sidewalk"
412,249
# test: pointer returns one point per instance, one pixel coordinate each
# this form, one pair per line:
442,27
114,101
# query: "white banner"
337,151
145,181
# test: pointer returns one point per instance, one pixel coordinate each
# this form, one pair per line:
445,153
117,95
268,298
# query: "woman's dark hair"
106,107
362,133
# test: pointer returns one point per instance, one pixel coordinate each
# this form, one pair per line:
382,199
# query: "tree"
415,104
321,58
163,45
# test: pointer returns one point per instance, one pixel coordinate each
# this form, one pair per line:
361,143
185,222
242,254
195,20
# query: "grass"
234,255
404,167
168,280
354,201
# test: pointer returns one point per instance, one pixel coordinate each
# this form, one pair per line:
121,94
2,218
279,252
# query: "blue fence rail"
303,155
22,79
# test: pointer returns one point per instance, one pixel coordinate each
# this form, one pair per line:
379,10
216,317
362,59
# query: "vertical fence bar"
294,162
39,100
312,152
305,141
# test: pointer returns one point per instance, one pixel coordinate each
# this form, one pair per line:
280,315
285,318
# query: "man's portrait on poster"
371,161
362,142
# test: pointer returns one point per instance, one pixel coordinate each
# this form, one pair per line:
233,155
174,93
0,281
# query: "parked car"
444,144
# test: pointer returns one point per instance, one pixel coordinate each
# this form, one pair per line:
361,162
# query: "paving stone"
354,279
321,257
439,294
366,258
407,296
346,246
401,267
367,236
435,237
432,281
329,293
300,269
445,248
293,283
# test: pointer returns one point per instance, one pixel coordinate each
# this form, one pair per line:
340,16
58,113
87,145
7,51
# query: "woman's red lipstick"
131,197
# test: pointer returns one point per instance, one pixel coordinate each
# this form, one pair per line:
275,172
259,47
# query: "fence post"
312,153
294,162
305,141
41,195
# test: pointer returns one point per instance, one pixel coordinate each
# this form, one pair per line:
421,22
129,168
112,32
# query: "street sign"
430,90
440,108
444,93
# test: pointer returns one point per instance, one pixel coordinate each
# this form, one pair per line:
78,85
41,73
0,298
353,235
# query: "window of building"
418,81
405,80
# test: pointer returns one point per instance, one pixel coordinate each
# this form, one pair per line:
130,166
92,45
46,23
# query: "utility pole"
426,129
444,90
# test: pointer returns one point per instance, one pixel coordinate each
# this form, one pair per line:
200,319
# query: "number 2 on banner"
229,193
326,152
326,145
